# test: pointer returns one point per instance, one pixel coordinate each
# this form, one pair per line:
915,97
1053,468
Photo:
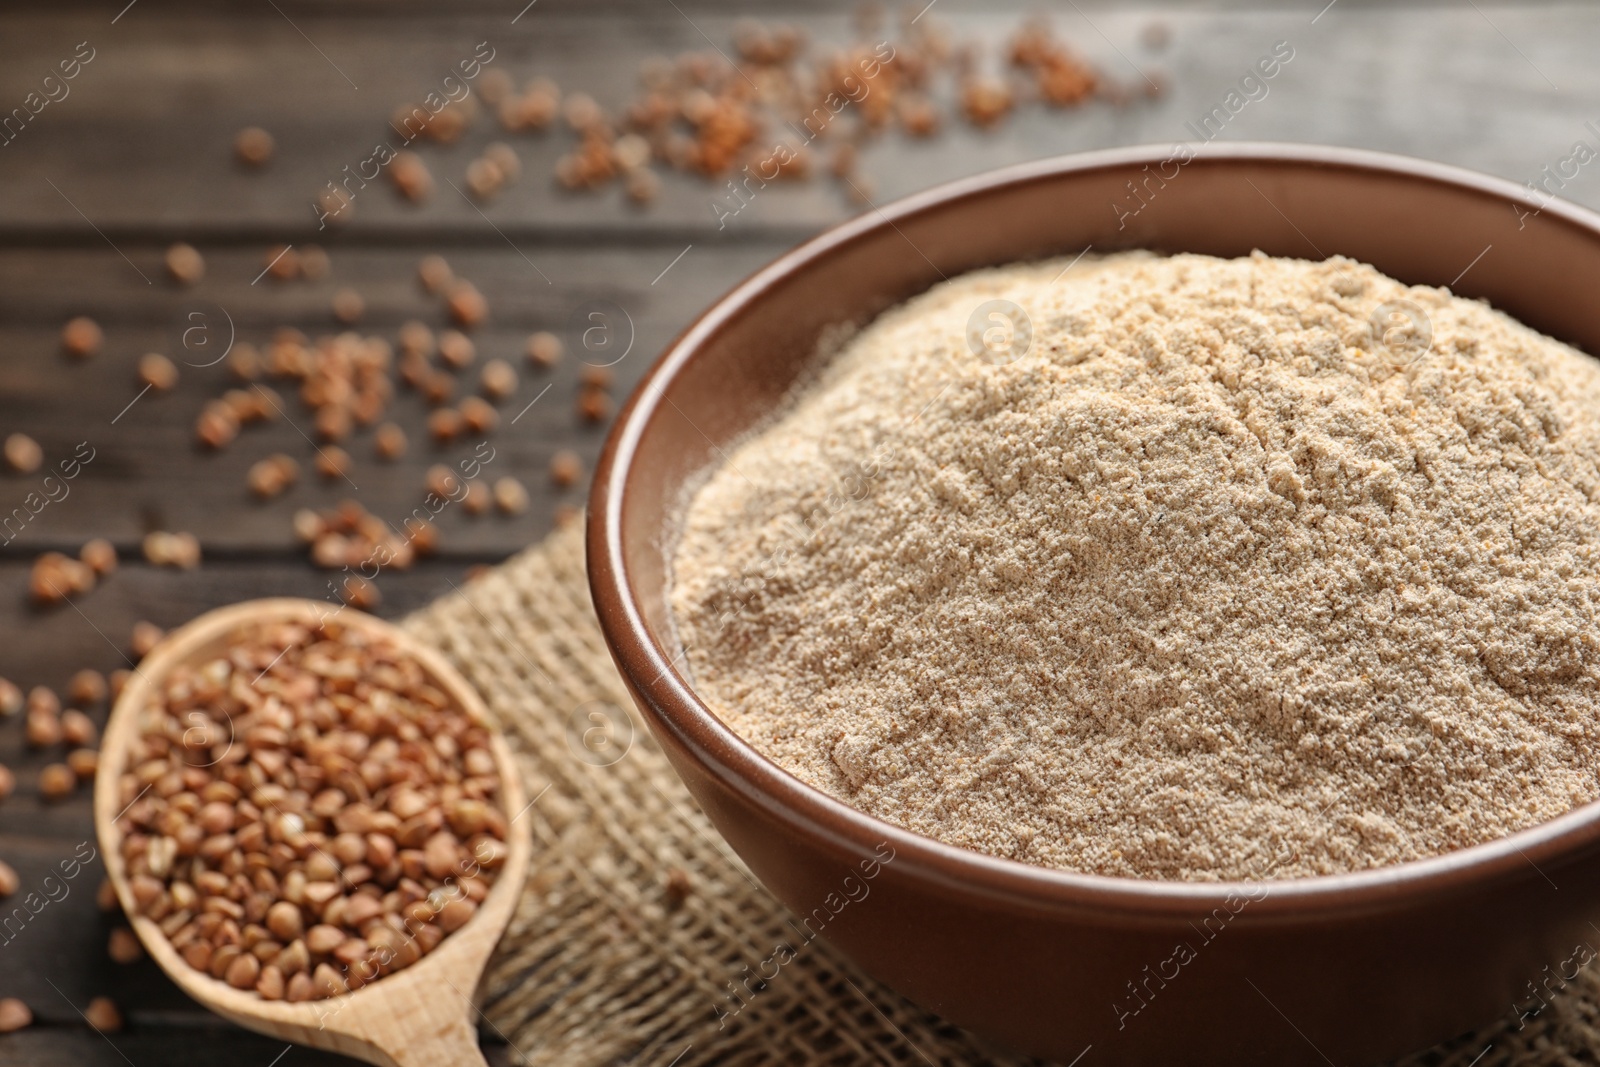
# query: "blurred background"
203,181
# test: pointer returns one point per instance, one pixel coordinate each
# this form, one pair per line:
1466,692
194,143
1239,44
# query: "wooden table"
98,183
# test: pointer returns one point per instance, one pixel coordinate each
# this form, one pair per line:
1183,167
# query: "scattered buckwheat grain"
282,263
314,263
14,1015
499,379
83,762
411,176
478,499
157,371
123,946
544,349
565,468
332,462
510,496
81,337
444,425
42,728
594,405
348,306
435,274
253,146
23,453
77,729
478,415
102,1014
389,441
456,349
54,577
86,688
56,782
466,305
185,264
146,635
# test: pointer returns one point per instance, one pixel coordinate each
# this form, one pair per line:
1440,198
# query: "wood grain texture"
148,471
142,144
168,1042
139,155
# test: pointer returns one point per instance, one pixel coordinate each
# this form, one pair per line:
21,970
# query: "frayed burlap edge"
637,921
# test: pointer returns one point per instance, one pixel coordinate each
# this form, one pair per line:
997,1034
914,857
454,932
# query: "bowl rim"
808,811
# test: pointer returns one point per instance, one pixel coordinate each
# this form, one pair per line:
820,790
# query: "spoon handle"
453,1046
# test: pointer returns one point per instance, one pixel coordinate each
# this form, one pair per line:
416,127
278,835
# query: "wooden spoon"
420,1016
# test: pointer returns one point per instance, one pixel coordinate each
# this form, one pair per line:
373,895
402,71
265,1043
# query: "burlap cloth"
637,917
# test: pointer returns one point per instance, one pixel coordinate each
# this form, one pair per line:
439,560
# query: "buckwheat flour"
1211,583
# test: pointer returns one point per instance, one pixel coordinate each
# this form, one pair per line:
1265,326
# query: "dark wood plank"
148,472
142,148
112,150
50,930
155,1042
142,142
45,645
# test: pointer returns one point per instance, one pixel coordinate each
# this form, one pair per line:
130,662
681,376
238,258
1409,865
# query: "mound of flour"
1211,582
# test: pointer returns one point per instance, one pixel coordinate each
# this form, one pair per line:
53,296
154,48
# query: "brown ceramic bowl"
1348,969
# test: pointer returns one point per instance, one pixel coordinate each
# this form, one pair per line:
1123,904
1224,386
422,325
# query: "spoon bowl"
420,1016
